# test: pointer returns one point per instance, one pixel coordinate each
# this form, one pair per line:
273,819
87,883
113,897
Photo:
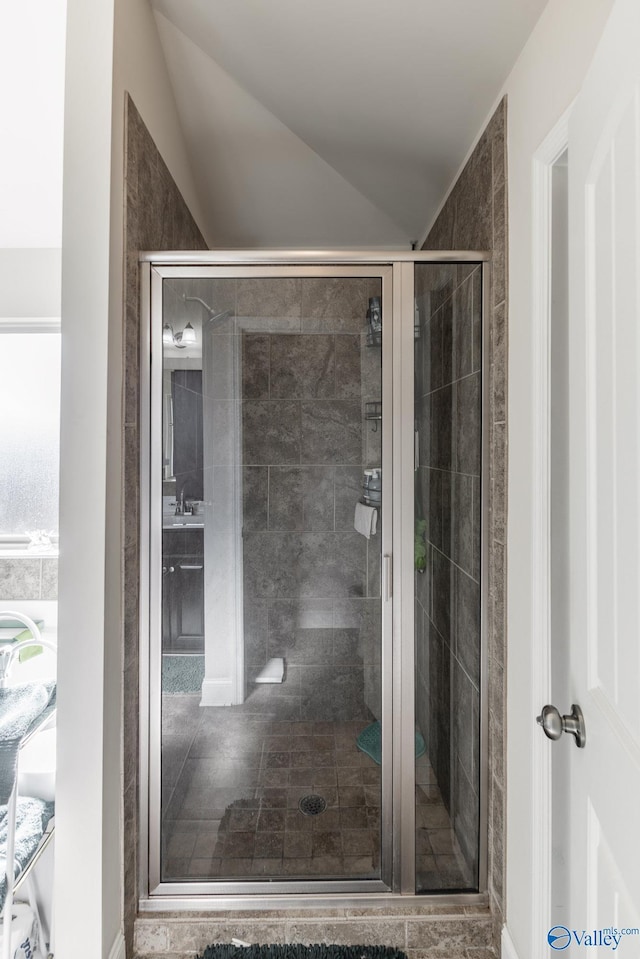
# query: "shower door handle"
387,578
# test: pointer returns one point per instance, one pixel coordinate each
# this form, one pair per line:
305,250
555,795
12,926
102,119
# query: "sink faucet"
183,507
10,650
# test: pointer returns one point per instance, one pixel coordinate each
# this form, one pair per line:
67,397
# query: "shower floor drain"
312,805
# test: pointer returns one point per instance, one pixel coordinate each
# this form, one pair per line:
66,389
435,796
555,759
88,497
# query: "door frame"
551,149
397,268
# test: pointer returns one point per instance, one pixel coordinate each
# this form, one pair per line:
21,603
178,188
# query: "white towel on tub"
366,520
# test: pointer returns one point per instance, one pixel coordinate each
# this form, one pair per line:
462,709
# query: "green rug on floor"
370,742
182,673
294,950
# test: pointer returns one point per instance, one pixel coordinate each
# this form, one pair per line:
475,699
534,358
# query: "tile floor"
232,780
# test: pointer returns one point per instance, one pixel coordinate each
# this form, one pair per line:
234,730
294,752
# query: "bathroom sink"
170,521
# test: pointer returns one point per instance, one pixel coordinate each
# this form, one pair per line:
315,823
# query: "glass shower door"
271,475
316,649
448,430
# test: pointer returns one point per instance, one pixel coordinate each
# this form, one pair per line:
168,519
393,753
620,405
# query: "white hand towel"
366,520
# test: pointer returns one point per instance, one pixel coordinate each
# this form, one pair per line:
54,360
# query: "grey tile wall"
330,306
475,217
156,218
303,366
421,931
25,577
448,600
271,432
49,579
304,452
331,431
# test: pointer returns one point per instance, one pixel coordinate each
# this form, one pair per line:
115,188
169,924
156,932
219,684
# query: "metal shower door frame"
396,272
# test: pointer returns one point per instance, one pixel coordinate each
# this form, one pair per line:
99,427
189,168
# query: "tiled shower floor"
232,781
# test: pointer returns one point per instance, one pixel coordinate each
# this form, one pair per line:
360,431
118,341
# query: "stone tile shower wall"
28,578
156,218
311,583
448,408
474,217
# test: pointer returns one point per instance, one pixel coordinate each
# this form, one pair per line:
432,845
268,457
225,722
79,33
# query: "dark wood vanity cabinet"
183,591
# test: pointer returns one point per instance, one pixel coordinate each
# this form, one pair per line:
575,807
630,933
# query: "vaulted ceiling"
333,122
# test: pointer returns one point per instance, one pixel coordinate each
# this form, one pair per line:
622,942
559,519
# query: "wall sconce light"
181,339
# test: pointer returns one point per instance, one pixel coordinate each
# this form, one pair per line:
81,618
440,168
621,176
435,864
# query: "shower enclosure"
313,649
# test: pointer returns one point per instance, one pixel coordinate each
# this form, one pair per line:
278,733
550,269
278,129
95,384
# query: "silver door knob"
555,725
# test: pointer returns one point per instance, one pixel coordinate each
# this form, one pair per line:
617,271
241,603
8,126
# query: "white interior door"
604,487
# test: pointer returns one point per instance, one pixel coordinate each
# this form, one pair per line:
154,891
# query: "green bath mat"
182,673
296,951
370,742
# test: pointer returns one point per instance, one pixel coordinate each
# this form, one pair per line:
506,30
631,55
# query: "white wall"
139,67
32,53
32,49
540,88
30,282
31,101
83,920
262,184
112,46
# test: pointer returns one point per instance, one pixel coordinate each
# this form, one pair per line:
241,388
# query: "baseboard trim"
507,948
217,692
117,950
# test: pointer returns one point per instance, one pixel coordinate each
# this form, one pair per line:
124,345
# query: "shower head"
210,310
220,316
